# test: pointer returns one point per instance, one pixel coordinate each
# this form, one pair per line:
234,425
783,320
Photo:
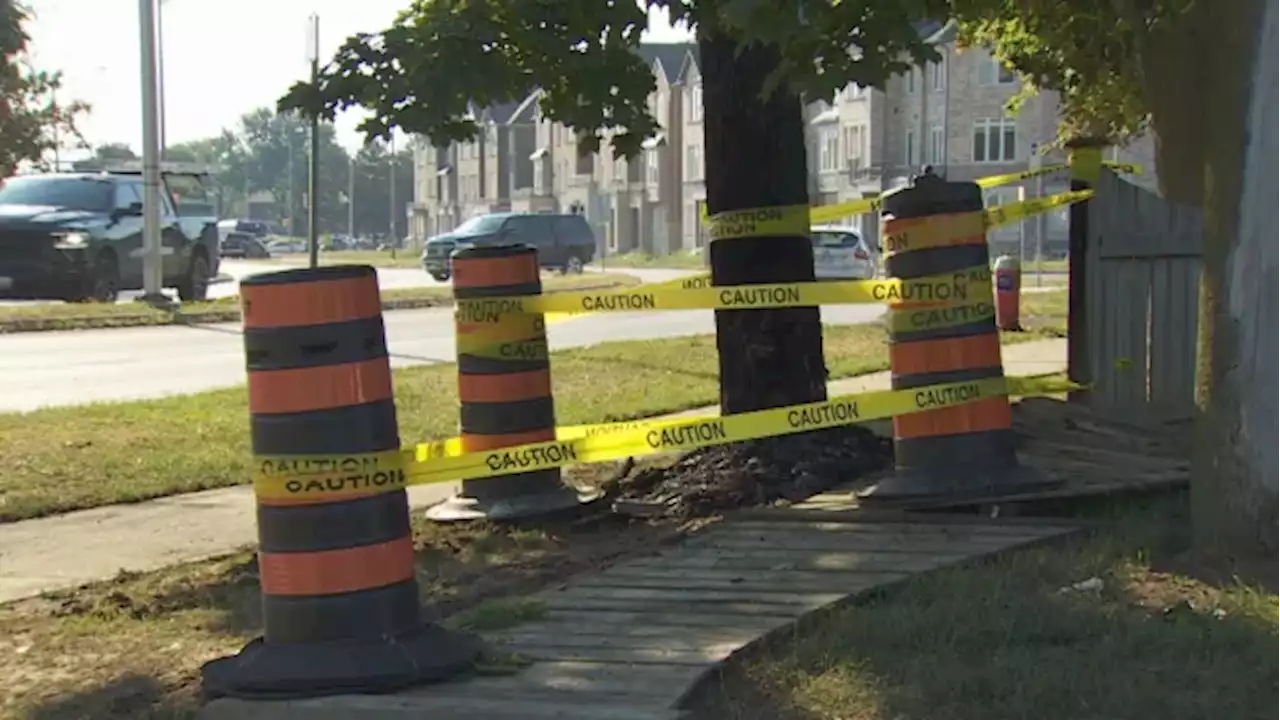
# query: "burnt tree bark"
755,158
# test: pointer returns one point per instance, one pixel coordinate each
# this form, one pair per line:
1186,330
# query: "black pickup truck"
78,237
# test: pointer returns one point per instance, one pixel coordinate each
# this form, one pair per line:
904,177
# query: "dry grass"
1011,639
683,261
131,648
81,316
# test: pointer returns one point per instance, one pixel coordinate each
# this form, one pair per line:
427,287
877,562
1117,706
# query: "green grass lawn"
70,458
1009,639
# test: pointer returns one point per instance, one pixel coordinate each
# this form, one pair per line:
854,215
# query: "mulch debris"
754,472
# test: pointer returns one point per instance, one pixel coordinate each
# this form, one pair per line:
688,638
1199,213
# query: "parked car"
842,253
563,242
78,237
286,246
237,245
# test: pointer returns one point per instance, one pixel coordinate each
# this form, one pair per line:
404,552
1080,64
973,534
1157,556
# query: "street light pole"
160,75
391,162
152,272
313,163
351,200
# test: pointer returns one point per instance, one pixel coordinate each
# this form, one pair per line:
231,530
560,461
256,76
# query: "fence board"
1144,253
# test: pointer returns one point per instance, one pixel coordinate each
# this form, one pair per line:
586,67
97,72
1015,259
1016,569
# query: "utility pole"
313,162
152,270
391,162
160,75
351,199
289,169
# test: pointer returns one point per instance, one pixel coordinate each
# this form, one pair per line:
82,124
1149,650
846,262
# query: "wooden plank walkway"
629,642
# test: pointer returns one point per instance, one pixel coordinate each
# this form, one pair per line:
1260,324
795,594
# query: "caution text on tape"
735,297
320,479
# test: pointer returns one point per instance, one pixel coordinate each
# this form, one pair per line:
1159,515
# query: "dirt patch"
756,472
132,647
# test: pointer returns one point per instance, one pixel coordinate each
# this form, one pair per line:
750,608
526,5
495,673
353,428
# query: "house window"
993,72
829,148
910,147
909,78
651,165
693,162
695,103
936,143
846,142
586,162
620,169
937,76
995,140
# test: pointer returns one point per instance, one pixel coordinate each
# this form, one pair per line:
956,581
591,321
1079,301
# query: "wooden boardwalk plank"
664,595
628,642
800,560
780,581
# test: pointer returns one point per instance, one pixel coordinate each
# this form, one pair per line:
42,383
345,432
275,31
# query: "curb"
231,314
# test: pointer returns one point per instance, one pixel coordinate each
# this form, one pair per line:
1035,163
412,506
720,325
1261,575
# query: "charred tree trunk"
755,158
1235,470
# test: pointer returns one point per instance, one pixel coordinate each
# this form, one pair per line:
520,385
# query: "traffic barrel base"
953,453
340,605
504,387
273,671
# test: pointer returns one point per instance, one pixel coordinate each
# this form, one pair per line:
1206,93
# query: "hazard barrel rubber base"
460,507
276,671
918,489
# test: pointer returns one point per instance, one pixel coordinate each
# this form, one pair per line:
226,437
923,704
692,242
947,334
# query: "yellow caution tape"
317,479
510,336
921,319
840,211
735,297
997,180
1085,162
760,222
1127,168
1018,211
452,447
934,231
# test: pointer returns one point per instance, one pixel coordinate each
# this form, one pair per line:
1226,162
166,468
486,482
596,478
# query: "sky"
221,59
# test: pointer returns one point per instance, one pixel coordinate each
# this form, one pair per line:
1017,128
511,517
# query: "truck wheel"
195,286
441,277
104,281
573,266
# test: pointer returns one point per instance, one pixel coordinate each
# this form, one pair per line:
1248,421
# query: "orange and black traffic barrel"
339,593
504,385
945,333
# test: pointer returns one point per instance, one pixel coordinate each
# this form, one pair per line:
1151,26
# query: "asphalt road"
67,368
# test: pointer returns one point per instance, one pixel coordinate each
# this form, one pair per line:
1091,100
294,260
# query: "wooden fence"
1144,272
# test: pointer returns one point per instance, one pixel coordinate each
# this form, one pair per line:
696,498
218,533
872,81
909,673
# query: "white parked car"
842,253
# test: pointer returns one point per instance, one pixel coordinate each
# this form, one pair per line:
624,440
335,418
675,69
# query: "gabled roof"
691,60
669,57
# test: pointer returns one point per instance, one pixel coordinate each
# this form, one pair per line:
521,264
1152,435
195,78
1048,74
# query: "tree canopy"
441,59
32,121
1118,66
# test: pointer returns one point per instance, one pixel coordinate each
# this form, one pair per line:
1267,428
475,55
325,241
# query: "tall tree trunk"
755,158
1234,474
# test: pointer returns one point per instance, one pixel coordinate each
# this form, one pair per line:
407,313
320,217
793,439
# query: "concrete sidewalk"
65,551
